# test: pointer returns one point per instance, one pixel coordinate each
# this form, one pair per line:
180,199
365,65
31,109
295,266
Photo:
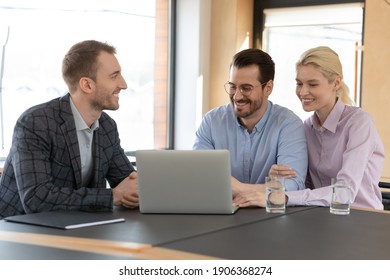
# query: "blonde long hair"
328,62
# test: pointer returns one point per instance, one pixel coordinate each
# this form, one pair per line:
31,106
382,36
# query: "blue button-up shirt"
278,138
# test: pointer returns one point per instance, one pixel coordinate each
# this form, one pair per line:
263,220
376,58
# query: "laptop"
184,181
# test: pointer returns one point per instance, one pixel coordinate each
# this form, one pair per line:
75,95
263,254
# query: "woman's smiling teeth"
307,100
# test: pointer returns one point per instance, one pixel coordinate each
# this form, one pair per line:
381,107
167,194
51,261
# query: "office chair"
385,195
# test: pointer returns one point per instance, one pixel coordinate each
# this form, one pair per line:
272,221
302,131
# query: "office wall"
208,34
231,30
376,73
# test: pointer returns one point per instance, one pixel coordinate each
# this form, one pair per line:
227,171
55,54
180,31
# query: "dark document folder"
66,219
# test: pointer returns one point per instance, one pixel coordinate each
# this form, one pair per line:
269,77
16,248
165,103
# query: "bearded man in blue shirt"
256,132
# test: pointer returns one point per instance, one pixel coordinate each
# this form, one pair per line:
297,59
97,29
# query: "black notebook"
66,219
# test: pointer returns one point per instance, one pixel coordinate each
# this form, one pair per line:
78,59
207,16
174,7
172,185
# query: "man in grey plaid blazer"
66,150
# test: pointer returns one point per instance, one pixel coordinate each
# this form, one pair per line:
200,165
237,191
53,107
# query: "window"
35,36
290,31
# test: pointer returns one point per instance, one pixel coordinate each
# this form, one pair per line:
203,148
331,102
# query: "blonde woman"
342,140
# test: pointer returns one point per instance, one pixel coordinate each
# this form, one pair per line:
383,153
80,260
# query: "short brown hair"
256,57
81,61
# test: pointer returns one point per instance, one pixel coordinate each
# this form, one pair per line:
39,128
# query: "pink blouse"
346,147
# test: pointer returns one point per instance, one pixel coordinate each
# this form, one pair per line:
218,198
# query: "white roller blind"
328,14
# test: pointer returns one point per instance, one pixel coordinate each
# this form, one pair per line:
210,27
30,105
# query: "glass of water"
341,198
275,195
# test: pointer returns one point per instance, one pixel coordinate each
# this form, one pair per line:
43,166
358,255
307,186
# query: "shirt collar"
260,123
332,120
79,121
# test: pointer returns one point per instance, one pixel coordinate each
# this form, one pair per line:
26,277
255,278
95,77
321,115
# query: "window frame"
260,5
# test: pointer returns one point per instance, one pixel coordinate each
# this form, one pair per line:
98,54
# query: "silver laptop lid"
184,181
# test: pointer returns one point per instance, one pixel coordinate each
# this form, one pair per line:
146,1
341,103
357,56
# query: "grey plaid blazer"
43,169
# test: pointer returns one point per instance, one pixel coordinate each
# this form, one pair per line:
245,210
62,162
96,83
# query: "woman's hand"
280,170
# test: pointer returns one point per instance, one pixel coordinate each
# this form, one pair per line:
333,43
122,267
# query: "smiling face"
315,92
249,109
109,82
